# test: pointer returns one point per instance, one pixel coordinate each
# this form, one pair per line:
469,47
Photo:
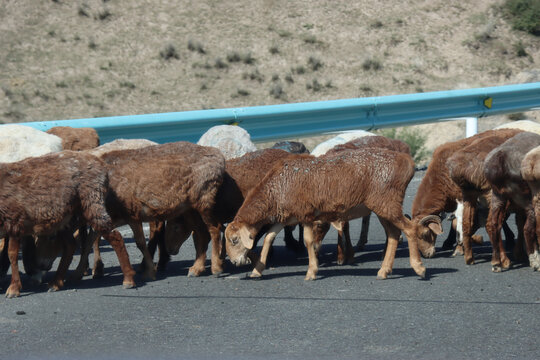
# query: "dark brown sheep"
438,193
46,195
309,190
466,169
502,169
160,183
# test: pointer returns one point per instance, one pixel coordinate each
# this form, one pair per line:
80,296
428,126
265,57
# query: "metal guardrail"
303,119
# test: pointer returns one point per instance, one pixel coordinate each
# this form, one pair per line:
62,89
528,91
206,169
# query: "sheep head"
427,230
240,238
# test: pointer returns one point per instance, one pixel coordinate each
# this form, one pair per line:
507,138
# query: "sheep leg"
309,239
117,243
4,259
392,238
97,269
260,265
362,241
68,249
519,252
15,286
469,209
157,239
149,272
344,245
201,238
530,241
496,216
87,241
319,231
290,242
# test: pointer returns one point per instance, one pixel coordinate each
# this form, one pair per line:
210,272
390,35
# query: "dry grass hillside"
65,59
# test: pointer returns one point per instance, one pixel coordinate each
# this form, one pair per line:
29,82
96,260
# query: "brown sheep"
45,196
502,169
530,173
438,193
162,182
466,169
345,250
309,190
40,253
76,139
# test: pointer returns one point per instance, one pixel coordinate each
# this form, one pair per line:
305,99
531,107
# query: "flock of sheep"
60,190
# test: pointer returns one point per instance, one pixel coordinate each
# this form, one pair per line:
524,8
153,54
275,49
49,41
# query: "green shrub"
524,15
412,137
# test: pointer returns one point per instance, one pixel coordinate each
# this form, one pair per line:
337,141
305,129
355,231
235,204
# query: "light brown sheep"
309,190
530,171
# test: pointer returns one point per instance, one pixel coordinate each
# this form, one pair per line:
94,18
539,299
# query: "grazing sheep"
342,138
73,191
18,142
502,169
466,169
438,193
233,141
530,172
76,139
309,190
163,182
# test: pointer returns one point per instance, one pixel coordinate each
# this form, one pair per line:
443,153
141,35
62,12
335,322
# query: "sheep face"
427,230
239,240
176,232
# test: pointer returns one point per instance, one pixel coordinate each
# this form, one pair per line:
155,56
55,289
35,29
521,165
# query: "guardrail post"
471,126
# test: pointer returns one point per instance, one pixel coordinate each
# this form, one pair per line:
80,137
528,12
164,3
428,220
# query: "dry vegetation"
63,59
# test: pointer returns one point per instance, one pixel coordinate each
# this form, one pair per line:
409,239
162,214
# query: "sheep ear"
247,242
246,238
436,228
433,222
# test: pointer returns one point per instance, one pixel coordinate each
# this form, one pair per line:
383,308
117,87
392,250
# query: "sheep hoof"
534,260
469,261
496,268
12,292
421,273
255,275
383,274
128,285
458,251
310,277
340,261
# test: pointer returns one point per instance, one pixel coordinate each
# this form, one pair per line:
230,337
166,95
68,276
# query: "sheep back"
40,195
309,188
162,181
466,166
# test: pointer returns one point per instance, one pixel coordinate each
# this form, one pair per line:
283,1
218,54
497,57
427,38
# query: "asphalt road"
458,312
